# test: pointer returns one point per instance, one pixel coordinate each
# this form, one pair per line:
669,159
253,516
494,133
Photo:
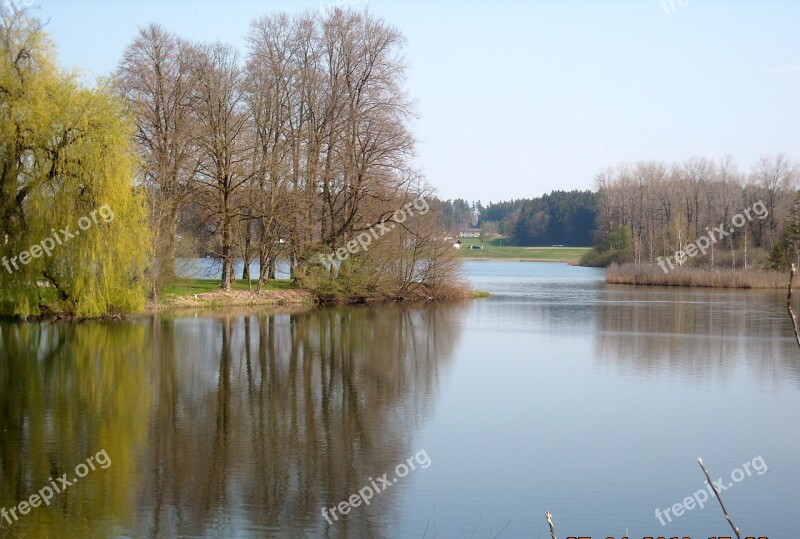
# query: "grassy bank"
206,293
645,274
184,287
495,249
203,293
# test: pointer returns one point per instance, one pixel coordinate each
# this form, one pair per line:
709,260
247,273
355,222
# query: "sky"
518,98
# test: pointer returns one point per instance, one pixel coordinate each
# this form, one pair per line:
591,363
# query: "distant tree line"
558,218
650,209
502,214
653,209
459,214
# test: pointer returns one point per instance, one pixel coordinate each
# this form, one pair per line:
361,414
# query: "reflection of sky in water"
594,401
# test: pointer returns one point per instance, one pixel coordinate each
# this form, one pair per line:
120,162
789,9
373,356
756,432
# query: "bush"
595,258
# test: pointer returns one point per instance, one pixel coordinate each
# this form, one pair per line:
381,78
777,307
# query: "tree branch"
789,306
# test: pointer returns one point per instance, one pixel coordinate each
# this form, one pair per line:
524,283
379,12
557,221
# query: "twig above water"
549,518
789,306
719,499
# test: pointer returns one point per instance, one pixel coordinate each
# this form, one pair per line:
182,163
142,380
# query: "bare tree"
664,210
299,149
367,157
267,85
777,177
155,78
223,145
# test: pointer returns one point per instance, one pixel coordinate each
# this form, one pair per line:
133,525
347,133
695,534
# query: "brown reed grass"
653,275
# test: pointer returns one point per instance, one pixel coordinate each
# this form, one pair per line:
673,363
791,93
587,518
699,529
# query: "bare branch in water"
789,306
724,510
549,518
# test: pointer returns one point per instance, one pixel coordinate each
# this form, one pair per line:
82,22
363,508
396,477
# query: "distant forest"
560,218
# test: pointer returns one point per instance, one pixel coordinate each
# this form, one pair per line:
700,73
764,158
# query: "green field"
185,287
495,248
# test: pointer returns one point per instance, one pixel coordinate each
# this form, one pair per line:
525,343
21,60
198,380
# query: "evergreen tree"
787,251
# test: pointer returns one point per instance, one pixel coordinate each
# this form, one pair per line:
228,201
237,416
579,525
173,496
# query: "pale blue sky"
517,98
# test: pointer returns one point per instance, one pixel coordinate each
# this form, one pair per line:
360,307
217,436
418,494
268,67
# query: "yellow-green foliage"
79,389
67,152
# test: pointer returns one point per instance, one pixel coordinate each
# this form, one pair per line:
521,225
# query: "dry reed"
646,274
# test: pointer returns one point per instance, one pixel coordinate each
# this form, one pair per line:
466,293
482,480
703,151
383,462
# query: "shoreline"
518,259
232,298
287,298
294,298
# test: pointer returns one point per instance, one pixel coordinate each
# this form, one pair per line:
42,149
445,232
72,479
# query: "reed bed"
647,274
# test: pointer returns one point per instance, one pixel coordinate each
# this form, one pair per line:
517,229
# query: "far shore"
502,259
497,249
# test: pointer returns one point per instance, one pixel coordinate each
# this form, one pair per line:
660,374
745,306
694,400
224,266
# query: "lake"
559,393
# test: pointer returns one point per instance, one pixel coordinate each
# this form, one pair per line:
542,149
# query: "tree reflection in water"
219,424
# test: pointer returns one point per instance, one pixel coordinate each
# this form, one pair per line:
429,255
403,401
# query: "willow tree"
66,159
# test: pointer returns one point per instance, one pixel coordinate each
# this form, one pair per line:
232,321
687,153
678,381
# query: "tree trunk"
227,262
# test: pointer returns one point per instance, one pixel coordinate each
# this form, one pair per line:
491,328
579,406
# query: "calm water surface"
559,394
